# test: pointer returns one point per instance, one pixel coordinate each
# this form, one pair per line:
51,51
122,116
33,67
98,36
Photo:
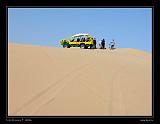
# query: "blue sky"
130,27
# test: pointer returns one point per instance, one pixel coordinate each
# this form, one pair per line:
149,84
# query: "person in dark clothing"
84,39
103,44
78,39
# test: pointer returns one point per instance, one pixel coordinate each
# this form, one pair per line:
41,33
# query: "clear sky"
130,27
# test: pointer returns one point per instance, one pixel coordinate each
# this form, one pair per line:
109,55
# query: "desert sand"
49,81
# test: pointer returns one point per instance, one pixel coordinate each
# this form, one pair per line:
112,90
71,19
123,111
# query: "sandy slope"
57,81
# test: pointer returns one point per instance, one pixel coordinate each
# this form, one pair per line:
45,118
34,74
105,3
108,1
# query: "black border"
154,4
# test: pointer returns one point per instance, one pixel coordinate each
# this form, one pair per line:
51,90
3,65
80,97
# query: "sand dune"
56,81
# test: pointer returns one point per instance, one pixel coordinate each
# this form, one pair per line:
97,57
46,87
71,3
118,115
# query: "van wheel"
68,46
82,46
65,46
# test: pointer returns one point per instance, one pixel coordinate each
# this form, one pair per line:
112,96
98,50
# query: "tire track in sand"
45,95
115,87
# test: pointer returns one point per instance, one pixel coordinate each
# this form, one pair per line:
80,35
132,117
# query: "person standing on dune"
100,44
112,44
103,44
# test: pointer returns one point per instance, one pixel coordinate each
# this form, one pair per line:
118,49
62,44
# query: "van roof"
80,34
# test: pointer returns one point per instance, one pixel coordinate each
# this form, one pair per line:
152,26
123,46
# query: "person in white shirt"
112,44
100,44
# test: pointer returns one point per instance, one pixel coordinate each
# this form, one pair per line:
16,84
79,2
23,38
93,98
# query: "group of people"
111,44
